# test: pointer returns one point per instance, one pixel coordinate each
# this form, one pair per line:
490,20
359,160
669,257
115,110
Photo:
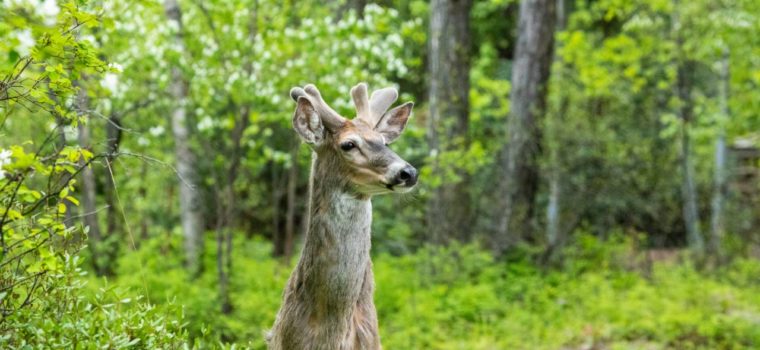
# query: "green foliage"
458,297
241,59
612,128
67,316
42,298
610,136
36,175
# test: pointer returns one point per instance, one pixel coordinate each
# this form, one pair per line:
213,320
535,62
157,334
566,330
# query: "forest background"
590,170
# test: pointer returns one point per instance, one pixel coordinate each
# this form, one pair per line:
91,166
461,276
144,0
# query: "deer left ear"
394,121
307,123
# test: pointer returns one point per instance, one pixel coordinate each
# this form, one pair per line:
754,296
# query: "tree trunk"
88,188
189,193
685,112
530,76
278,238
689,192
449,68
71,209
356,5
290,213
221,271
113,134
553,208
227,206
553,233
142,191
719,186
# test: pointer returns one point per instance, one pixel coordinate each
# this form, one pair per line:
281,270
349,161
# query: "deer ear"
307,123
394,121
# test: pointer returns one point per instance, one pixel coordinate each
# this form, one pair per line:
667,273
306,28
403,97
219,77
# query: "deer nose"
407,175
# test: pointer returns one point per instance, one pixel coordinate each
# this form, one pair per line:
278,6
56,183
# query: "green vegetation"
153,193
607,296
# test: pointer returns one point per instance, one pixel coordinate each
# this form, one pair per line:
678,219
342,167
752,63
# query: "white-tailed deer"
327,303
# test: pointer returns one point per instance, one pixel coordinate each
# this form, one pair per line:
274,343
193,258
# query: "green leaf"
61,208
73,200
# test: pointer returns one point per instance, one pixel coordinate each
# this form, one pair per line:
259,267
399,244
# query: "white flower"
116,66
71,132
156,131
233,77
87,37
205,123
110,82
25,42
373,8
5,157
142,141
173,25
395,39
49,11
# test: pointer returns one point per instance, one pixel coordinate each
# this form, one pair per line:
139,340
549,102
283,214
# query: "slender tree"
278,236
189,194
113,139
719,184
683,86
554,235
290,211
88,187
449,67
530,75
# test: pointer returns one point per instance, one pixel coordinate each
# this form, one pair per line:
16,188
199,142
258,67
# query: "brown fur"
328,301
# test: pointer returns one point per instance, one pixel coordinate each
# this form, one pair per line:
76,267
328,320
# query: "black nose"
408,175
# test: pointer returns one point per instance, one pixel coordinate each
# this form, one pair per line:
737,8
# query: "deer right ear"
307,123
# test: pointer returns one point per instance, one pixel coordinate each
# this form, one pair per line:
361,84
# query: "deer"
328,299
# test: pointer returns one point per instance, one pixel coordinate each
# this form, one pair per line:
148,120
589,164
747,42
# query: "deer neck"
335,264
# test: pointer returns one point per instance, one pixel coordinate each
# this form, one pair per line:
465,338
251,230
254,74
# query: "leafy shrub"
459,297
66,317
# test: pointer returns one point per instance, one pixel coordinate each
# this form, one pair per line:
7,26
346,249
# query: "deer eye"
347,146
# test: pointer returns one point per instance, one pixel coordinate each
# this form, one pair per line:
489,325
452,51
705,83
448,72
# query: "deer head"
357,149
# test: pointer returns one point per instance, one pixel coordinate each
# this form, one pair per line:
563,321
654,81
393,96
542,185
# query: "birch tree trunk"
189,194
530,76
719,185
449,67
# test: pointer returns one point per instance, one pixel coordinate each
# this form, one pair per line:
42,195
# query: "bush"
458,297
65,316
